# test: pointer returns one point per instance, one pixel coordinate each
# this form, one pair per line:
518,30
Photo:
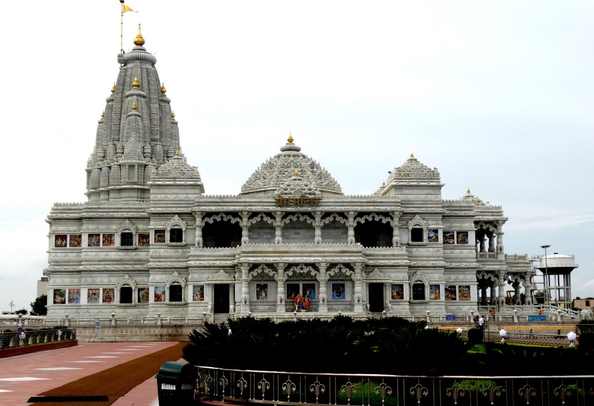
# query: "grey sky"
497,95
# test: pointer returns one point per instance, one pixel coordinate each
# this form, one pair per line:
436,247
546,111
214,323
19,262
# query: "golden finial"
172,114
163,90
139,41
176,153
102,114
136,83
290,139
468,190
296,172
134,106
113,88
411,155
383,183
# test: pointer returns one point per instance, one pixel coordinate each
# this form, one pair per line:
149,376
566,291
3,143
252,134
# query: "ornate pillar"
502,288
280,288
351,227
395,229
492,242
210,295
528,293
500,249
278,239
198,242
357,292
245,289
517,299
318,227
323,279
245,235
484,293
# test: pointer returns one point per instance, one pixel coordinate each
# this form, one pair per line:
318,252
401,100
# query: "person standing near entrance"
481,322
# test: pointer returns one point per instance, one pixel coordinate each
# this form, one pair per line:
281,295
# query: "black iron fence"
341,389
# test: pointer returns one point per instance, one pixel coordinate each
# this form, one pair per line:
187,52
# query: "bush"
475,335
586,343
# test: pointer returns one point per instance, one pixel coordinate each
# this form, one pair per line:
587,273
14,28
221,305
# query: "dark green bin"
175,383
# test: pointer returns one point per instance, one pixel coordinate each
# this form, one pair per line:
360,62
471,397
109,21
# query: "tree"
23,311
38,307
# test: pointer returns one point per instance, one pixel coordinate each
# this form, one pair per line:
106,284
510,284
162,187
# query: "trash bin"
175,384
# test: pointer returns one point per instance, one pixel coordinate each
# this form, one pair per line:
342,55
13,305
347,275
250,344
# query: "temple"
149,240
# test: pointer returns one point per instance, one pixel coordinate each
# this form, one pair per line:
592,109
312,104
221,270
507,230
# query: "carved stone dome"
469,197
289,170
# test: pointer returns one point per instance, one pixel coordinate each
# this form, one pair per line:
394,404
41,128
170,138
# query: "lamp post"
546,276
503,334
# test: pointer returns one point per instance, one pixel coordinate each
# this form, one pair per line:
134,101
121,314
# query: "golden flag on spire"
125,9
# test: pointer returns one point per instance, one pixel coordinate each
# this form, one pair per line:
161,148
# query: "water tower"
556,273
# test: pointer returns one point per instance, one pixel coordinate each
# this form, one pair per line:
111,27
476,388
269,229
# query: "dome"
469,197
177,168
412,169
291,172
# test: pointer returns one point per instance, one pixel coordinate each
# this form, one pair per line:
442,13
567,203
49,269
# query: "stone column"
245,236
209,293
198,241
245,289
322,280
500,248
280,288
351,225
318,227
395,229
502,288
516,286
357,292
528,293
484,293
278,239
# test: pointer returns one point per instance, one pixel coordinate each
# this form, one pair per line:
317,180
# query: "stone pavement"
24,376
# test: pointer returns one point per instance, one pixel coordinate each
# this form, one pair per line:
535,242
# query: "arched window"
127,235
176,230
417,231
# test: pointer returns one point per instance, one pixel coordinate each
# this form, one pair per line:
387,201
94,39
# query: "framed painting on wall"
462,237
464,292
93,295
75,240
143,295
434,292
397,291
292,290
59,296
108,240
94,240
309,290
449,237
159,294
338,291
74,296
261,291
198,293
108,295
144,239
61,240
450,292
159,236
433,235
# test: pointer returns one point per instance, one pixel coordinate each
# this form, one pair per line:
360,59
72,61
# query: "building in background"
148,241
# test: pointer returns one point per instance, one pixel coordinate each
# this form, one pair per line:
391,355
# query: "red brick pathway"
24,376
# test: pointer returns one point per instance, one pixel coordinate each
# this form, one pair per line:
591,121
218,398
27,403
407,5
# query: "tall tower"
136,133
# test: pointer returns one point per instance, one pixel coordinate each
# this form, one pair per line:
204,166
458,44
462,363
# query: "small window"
127,239
126,294
416,234
176,235
175,293
587,303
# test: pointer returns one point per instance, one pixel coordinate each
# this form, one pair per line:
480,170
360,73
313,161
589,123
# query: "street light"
571,336
503,334
546,285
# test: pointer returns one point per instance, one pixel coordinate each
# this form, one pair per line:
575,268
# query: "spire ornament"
139,40
163,90
290,139
136,83
134,106
113,88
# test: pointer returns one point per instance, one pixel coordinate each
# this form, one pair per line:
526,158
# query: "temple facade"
148,241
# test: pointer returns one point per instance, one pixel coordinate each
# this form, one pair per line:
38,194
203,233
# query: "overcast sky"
498,96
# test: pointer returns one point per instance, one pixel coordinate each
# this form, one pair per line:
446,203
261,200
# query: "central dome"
286,170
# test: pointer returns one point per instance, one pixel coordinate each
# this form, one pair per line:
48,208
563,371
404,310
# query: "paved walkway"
24,376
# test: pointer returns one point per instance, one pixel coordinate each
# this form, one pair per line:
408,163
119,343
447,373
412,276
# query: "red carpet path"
26,376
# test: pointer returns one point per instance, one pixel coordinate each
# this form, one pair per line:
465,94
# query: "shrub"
586,343
475,335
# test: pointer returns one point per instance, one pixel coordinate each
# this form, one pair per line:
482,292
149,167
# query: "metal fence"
12,339
341,389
